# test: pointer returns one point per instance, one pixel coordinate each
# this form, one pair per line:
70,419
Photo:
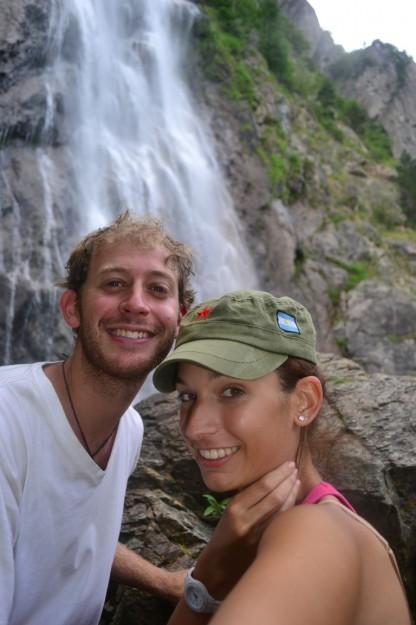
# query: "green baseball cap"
244,334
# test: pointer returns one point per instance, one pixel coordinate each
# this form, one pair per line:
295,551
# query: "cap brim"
229,358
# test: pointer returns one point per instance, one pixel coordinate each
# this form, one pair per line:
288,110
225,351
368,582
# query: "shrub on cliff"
406,179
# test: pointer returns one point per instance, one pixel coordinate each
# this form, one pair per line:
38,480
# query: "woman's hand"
233,545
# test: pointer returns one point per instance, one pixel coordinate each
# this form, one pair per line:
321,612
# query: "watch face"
194,598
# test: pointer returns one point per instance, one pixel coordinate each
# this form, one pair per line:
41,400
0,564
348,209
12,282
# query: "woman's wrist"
211,574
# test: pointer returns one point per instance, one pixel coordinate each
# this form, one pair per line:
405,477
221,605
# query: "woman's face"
237,430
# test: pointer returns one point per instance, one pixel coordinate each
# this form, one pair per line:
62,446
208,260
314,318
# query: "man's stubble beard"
100,364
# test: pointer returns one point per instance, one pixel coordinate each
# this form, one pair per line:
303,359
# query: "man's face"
128,310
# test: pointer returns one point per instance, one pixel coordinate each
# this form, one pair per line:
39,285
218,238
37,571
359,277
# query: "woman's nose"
199,420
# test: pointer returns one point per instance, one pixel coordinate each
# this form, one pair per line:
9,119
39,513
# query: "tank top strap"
324,489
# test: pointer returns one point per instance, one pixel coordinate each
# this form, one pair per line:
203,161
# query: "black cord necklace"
84,440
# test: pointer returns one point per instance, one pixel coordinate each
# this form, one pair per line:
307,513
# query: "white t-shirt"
60,513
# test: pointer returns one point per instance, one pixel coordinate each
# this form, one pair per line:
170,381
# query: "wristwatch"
197,597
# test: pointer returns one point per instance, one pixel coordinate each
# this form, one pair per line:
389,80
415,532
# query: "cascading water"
107,124
134,137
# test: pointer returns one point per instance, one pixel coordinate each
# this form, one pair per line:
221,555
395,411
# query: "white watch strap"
197,597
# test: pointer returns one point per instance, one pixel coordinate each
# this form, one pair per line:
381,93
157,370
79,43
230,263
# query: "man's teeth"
131,334
214,454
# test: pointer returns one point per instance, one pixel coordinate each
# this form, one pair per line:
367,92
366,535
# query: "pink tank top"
323,489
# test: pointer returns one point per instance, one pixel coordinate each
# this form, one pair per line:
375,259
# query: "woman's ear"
69,309
308,396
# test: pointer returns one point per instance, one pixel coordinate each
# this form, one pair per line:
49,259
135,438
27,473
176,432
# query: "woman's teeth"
214,454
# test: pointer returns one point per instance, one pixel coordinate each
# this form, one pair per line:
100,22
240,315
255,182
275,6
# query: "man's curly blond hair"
145,233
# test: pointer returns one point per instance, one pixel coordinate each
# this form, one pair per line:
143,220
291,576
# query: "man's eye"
113,284
159,289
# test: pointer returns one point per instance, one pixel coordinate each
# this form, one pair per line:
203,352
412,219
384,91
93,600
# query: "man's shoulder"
10,374
19,390
133,418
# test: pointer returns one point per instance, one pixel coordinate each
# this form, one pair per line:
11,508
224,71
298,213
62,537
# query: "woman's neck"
309,476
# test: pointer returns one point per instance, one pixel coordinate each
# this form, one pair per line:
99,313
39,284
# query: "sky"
356,23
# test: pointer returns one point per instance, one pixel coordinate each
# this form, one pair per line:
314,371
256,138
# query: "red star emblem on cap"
203,314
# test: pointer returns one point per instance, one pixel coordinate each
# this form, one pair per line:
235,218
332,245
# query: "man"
69,437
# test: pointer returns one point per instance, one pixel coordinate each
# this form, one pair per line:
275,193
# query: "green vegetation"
386,214
404,234
330,108
215,508
235,26
406,179
400,338
335,296
357,272
231,41
342,343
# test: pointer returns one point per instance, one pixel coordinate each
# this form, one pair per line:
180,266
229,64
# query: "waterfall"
103,120
133,135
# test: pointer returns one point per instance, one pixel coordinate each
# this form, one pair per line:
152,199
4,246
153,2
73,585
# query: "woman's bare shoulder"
307,570
314,531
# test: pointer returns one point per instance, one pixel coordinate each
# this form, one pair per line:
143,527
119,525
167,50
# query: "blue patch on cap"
287,322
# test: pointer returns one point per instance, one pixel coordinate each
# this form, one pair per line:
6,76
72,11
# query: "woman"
245,370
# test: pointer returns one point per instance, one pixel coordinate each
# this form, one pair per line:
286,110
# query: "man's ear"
182,311
308,396
69,308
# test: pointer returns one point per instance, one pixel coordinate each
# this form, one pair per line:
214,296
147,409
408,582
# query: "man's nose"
135,301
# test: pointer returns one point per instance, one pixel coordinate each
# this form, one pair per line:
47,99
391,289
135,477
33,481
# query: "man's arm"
131,569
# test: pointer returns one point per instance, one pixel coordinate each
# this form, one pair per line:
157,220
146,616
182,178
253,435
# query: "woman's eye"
232,391
185,397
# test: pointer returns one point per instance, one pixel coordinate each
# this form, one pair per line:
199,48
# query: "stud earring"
302,418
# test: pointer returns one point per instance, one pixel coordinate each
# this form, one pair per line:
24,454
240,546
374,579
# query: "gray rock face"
322,47
380,77
384,82
23,39
380,328
364,444
35,227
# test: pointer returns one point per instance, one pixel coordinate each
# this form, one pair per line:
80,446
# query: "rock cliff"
322,217
323,50
319,215
380,77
